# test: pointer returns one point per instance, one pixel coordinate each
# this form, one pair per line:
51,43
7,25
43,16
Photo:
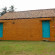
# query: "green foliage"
4,11
11,8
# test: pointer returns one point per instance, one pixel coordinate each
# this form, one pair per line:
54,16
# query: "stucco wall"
25,29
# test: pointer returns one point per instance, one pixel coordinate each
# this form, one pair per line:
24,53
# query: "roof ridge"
32,10
37,10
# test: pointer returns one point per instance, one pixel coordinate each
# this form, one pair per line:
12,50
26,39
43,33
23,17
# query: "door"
46,29
1,29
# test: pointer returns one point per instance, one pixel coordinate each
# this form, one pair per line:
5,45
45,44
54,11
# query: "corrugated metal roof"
29,14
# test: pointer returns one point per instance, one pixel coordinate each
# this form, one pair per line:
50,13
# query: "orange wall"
25,29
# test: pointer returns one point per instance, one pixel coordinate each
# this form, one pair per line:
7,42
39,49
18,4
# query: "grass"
27,48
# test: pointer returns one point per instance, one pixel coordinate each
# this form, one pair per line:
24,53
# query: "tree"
0,13
4,11
11,9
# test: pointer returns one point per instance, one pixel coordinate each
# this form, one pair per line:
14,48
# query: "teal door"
1,29
46,29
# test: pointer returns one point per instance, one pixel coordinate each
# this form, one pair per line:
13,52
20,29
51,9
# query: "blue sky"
23,5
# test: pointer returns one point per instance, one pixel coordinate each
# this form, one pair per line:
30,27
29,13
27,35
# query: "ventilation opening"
46,40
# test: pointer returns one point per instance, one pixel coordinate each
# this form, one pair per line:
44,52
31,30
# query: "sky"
24,5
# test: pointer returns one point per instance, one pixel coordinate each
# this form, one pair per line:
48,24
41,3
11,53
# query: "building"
32,25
